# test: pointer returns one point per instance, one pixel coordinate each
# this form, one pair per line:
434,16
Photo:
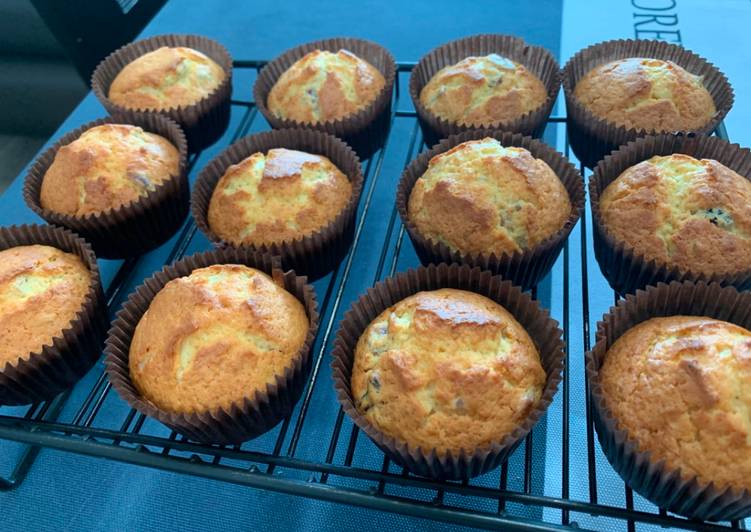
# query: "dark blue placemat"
65,491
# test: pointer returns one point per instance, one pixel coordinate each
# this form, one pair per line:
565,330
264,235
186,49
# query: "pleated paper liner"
541,327
536,59
592,138
526,268
204,121
67,357
247,418
313,255
365,130
625,269
667,488
130,229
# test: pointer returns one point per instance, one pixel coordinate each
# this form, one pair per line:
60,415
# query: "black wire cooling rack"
558,479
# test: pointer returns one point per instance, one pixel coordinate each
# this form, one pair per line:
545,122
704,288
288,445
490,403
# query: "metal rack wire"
350,469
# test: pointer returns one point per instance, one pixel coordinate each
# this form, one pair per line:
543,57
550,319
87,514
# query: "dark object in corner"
89,31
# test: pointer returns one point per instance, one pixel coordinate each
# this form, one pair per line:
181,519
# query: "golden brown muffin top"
684,212
481,197
648,94
214,338
448,369
483,90
166,78
323,86
42,289
681,388
280,196
106,167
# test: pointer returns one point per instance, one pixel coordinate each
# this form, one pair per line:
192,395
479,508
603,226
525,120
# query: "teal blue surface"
66,491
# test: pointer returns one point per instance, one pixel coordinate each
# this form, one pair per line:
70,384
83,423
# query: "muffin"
455,353
324,86
282,195
484,81
481,197
617,91
646,94
682,212
215,337
341,86
483,90
168,77
42,290
670,401
120,182
108,166
679,387
446,369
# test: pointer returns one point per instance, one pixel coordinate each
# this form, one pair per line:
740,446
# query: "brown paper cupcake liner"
543,330
203,122
367,129
67,357
313,255
133,228
625,269
536,59
667,488
526,268
245,419
592,138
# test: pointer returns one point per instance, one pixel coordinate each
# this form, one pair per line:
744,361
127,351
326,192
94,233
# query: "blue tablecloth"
66,491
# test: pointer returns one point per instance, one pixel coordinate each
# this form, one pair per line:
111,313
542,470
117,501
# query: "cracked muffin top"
42,289
679,386
681,211
484,198
107,167
215,337
324,86
446,369
483,90
646,94
282,195
166,78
